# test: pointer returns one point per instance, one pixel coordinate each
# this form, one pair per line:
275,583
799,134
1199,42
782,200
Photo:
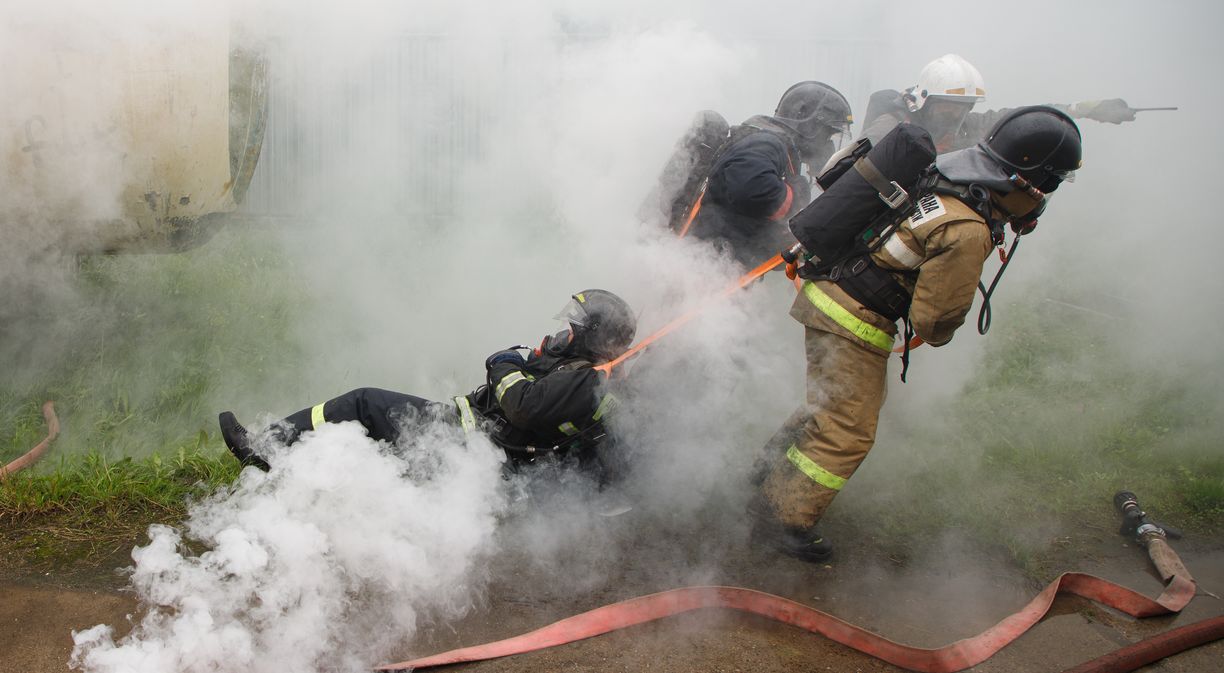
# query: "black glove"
508,355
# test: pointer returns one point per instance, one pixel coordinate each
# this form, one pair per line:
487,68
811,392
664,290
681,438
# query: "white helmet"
949,77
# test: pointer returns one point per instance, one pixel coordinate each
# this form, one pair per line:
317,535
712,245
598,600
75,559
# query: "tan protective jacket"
947,243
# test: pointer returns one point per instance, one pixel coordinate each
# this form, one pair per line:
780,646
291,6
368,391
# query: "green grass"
142,350
90,505
139,353
85,490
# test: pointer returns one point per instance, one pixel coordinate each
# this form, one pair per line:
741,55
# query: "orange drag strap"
957,656
688,222
744,280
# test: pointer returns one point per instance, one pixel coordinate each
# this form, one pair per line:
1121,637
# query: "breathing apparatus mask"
1023,209
943,117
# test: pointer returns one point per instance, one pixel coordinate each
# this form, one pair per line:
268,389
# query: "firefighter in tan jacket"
936,258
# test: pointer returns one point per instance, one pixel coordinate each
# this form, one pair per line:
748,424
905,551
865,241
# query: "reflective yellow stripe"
608,403
817,473
869,333
466,418
316,415
509,380
568,428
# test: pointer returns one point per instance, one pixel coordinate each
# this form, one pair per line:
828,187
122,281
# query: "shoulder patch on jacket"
928,208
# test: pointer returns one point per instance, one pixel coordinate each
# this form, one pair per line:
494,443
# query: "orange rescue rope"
743,281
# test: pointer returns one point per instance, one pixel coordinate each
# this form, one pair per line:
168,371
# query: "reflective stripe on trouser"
383,413
845,390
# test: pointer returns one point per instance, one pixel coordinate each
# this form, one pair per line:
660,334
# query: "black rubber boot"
805,544
238,440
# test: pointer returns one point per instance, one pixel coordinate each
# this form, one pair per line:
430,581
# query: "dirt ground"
953,591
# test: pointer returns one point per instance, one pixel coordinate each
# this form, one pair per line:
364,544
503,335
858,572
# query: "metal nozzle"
1135,521
1126,502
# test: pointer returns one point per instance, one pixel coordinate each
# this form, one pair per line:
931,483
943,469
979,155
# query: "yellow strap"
607,404
568,428
507,381
466,418
869,333
316,415
810,468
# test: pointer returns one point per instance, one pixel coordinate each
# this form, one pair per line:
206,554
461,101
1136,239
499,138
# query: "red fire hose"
30,457
1179,590
1155,648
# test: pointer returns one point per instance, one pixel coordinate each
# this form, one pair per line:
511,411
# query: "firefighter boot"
238,440
805,544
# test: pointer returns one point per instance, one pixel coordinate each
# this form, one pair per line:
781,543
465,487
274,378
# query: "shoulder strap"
977,198
572,364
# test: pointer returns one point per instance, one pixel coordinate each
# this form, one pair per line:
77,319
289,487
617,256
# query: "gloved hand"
1109,111
508,355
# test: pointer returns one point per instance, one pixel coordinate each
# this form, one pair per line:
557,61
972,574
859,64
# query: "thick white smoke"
569,111
343,550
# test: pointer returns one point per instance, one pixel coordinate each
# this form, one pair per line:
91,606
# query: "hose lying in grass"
32,456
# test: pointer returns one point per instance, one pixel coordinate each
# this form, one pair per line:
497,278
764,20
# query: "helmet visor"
573,313
1053,179
944,117
841,138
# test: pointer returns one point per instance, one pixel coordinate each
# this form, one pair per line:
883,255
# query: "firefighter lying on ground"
550,403
942,102
927,270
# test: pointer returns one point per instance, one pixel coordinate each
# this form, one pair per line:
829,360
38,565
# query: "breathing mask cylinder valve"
1136,523
795,256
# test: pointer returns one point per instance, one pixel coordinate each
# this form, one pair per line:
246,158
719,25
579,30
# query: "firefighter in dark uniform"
552,402
942,102
932,262
757,182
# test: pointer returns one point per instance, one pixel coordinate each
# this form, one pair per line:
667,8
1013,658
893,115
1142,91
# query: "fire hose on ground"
30,457
1180,588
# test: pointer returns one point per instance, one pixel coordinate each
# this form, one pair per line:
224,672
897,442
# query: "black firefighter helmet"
820,117
814,110
603,324
1039,143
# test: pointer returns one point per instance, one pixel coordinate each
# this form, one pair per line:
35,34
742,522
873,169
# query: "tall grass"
137,354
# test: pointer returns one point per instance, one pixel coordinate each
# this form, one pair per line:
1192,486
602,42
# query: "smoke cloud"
437,180
325,563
